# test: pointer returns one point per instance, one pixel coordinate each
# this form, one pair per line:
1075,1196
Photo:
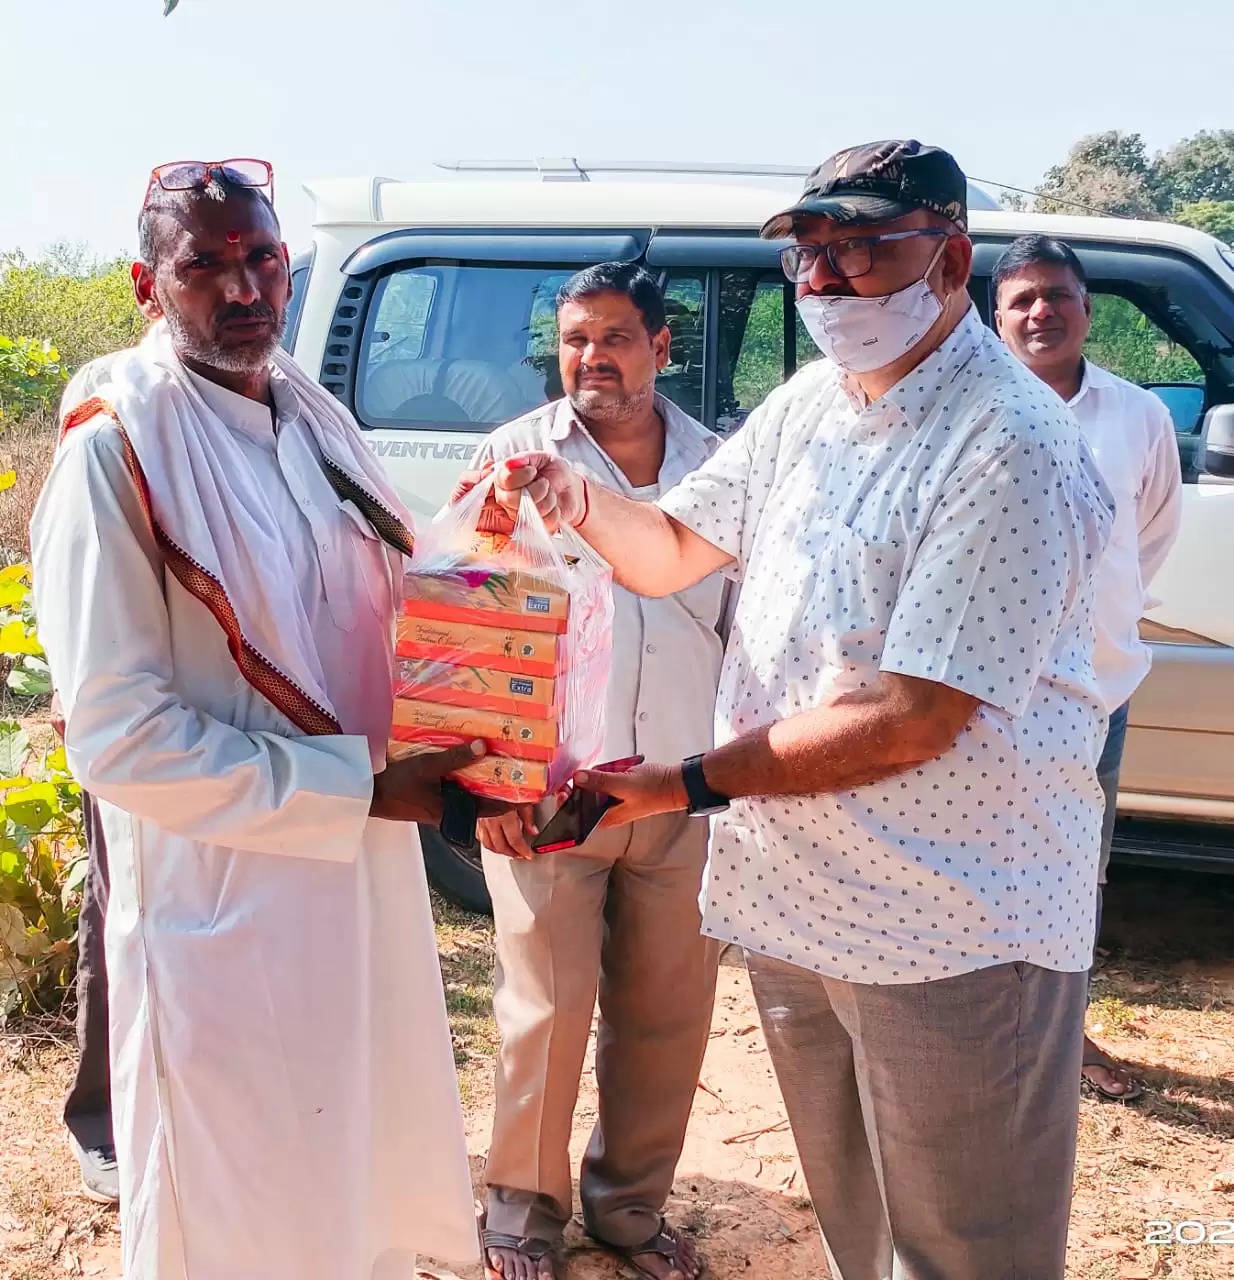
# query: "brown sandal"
529,1246
666,1243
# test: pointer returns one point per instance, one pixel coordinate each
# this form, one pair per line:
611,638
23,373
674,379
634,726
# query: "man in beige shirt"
621,911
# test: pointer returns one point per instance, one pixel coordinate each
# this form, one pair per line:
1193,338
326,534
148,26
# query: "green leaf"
33,806
14,748
74,880
29,682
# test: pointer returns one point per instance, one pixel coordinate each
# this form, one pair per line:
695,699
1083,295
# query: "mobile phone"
580,814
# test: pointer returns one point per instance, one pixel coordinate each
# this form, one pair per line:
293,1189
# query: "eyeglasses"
847,259
184,175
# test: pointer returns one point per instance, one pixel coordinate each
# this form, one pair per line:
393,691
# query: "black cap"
877,182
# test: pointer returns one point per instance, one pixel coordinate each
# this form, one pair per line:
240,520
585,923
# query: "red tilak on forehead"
233,237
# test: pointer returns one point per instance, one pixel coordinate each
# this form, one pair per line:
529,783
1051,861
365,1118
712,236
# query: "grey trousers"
622,916
87,1109
936,1121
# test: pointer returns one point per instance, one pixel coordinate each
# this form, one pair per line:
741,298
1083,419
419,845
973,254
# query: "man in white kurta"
1044,314
219,625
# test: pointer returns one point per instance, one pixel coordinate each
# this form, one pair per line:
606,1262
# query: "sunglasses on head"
185,175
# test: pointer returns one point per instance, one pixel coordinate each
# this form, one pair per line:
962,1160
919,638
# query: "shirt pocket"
365,566
859,579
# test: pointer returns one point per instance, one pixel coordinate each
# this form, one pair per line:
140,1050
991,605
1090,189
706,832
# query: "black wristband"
458,816
702,799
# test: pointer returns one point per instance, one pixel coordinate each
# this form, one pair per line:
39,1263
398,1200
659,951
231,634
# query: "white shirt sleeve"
1005,554
715,501
1159,504
130,739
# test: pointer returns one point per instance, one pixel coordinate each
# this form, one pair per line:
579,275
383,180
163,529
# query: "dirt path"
1165,1002
739,1185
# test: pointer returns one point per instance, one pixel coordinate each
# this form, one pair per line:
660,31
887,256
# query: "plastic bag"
507,638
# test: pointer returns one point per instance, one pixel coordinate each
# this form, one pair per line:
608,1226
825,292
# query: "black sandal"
1135,1090
666,1243
529,1246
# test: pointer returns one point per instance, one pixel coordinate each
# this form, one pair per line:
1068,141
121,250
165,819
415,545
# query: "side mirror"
1217,442
1184,400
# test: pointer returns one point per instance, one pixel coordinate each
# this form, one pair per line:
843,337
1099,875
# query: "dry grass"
26,447
1165,1003
47,1227
465,944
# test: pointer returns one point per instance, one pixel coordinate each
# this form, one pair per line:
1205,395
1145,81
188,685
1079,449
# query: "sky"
93,93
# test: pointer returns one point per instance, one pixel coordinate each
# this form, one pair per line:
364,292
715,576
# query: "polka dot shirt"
947,531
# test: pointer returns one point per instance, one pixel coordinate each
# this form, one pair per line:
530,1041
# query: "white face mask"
861,334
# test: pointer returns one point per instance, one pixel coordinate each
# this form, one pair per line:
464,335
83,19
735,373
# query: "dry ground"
1166,1003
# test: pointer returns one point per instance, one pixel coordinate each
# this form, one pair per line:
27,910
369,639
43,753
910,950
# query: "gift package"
507,639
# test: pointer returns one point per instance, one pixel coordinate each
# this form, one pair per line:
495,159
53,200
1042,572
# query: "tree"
1197,169
1214,216
1104,173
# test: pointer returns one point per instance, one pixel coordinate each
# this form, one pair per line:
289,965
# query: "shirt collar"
249,417
1092,378
682,432
940,368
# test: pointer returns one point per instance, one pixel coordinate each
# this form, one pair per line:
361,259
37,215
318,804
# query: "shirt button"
642,715
651,648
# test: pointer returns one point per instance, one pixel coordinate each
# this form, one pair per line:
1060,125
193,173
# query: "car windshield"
468,346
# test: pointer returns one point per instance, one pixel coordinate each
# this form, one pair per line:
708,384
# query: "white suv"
428,309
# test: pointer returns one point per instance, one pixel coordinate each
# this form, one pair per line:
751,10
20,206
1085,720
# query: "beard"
248,357
610,406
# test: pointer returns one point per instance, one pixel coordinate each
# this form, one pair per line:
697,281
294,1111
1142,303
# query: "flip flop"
529,1246
1134,1092
666,1242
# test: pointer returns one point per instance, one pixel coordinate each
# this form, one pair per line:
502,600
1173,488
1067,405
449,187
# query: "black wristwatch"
703,800
458,816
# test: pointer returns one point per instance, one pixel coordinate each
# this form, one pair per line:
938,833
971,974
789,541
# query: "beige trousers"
622,916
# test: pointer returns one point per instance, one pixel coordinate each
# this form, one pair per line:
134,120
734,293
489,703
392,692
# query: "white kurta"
284,1092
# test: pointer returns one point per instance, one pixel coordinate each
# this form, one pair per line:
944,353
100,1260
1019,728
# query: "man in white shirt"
623,908
1043,314
217,562
908,722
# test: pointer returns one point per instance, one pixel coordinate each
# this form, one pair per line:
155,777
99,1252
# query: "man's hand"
409,790
510,834
644,790
558,490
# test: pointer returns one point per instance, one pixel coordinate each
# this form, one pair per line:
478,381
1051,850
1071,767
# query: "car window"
750,359
463,345
1128,342
1124,340
685,294
402,303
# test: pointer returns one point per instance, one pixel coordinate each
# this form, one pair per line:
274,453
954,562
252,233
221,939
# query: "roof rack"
571,169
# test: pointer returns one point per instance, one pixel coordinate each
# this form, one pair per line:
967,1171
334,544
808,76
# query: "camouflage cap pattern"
877,182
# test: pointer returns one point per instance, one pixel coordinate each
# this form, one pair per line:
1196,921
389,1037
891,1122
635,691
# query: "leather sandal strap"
665,1242
529,1246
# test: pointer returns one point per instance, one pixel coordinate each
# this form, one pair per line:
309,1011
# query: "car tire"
456,874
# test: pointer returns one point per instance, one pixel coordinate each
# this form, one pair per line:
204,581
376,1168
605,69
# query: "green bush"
31,376
85,305
1124,340
42,849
